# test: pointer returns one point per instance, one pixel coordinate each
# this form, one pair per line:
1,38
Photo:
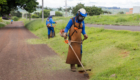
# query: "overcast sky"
106,3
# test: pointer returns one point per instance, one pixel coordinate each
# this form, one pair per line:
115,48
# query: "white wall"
136,9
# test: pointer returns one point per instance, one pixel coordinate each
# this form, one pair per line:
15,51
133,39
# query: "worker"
49,22
11,21
76,26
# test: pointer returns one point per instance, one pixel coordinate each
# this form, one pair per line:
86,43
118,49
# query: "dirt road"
130,28
22,61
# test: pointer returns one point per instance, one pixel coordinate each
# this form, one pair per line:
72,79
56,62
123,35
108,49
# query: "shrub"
120,20
35,16
15,18
57,13
0,19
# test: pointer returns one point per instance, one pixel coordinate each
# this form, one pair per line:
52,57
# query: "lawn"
110,54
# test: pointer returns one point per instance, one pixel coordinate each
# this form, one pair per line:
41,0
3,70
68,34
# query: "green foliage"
77,7
28,5
119,19
16,13
15,18
93,10
121,12
57,13
0,19
106,52
46,13
1,25
90,10
35,16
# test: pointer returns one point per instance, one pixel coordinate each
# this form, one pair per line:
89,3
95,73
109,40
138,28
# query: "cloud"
105,3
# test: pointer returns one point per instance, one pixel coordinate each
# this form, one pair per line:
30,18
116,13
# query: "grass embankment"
110,54
122,19
3,22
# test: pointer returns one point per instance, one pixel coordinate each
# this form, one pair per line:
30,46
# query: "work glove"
85,36
65,35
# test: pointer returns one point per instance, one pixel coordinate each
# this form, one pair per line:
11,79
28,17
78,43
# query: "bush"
57,13
35,16
121,20
0,19
2,25
15,18
46,13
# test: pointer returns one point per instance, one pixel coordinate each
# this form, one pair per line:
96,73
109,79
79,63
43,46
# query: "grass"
122,19
106,52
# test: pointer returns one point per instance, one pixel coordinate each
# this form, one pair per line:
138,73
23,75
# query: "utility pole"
66,7
42,10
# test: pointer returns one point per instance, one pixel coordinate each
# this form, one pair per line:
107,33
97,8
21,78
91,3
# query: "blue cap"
85,15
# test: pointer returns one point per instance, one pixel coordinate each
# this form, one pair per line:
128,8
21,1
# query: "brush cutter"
80,71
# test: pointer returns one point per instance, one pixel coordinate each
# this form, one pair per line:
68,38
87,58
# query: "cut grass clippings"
111,54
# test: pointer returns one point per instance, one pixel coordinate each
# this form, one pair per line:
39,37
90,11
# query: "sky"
104,3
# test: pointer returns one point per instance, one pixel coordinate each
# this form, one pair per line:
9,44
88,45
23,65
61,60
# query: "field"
110,54
122,19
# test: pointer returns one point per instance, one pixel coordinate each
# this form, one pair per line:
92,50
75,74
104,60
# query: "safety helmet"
82,12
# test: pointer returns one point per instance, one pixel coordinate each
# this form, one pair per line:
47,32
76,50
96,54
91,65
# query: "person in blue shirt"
11,21
50,27
75,26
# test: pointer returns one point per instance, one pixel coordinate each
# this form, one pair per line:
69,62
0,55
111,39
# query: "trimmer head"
86,75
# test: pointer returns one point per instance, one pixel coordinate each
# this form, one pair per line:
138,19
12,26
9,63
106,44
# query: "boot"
48,36
79,65
73,68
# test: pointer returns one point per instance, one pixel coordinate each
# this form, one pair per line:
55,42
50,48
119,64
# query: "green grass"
1,25
122,19
106,52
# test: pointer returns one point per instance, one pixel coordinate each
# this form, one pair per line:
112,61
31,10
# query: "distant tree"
16,13
77,7
59,9
57,13
35,16
121,12
107,12
93,10
90,10
46,13
47,8
8,5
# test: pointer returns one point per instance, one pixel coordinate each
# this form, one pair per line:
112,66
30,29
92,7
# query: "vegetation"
16,13
7,5
90,10
46,13
57,13
35,16
0,19
15,18
1,25
132,19
112,55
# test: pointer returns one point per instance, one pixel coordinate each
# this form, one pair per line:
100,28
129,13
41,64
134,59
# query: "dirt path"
22,61
130,28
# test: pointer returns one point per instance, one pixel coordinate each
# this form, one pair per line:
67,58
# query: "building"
130,11
136,9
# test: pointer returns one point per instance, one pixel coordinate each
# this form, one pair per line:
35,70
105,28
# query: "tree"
121,12
93,10
90,10
107,12
77,7
59,9
46,13
57,13
28,5
16,13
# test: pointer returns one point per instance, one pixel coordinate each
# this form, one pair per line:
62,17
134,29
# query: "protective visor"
84,15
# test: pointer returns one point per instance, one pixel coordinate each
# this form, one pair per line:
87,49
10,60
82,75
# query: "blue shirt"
50,21
70,23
